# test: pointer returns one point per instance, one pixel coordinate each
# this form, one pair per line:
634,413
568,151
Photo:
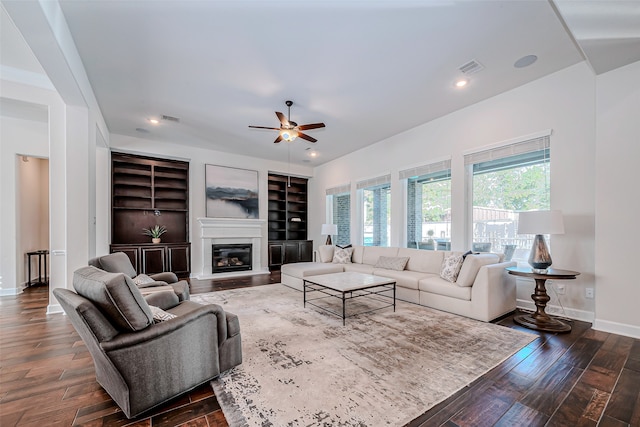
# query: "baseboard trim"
54,309
617,328
556,310
5,292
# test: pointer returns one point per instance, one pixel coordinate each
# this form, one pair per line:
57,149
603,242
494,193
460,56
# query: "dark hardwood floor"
583,378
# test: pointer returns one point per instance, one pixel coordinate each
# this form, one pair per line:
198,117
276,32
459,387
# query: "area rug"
302,367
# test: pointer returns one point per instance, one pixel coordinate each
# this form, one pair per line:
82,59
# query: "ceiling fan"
291,130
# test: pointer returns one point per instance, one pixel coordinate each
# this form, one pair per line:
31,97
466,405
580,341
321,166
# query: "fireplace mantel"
231,230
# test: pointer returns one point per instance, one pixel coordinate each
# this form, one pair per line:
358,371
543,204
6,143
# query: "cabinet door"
305,253
179,260
276,254
153,259
132,252
291,252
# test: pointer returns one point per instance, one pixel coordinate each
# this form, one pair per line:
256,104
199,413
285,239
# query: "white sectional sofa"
483,289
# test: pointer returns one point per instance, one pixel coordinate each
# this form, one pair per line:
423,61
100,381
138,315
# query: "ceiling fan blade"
311,126
278,139
282,119
263,127
307,137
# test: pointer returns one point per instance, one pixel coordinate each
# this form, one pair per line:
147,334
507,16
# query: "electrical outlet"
588,292
560,288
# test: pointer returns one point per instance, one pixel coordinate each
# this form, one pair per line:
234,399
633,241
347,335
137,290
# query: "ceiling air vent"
170,118
471,67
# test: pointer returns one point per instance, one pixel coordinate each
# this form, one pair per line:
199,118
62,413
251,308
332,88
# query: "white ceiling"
368,69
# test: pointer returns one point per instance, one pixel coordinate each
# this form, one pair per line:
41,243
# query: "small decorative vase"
155,240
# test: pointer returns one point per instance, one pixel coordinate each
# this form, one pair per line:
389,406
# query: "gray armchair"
119,262
142,364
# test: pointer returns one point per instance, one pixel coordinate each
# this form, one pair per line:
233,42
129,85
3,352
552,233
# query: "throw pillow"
392,263
342,255
142,279
451,265
344,247
159,315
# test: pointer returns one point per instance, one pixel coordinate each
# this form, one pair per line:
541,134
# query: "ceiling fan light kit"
290,130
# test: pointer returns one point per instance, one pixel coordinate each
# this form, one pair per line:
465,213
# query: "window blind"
538,144
374,182
432,168
338,190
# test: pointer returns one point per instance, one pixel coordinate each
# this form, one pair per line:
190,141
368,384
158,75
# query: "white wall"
563,102
198,158
617,202
19,137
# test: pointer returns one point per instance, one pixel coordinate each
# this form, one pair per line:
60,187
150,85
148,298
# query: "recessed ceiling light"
154,121
525,61
313,154
461,82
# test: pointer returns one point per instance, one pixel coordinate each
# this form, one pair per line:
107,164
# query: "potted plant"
155,232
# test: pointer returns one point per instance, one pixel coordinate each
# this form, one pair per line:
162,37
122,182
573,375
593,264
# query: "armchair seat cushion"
116,296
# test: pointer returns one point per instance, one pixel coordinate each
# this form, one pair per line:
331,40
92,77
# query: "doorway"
32,216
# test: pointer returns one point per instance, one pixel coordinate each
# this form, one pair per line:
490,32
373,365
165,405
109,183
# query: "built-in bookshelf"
149,191
287,220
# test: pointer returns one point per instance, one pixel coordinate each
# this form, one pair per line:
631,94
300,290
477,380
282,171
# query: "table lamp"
329,230
540,223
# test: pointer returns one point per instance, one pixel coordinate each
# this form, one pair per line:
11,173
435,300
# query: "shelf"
285,202
142,185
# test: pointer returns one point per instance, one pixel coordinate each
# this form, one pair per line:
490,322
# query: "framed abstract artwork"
231,192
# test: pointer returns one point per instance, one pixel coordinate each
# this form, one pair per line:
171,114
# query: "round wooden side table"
539,320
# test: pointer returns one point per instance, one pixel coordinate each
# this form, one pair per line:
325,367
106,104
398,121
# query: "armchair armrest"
166,276
164,300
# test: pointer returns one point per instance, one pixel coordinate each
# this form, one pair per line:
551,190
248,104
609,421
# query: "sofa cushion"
360,268
392,263
325,253
342,255
436,285
471,266
303,269
404,279
117,262
358,253
116,296
372,253
451,265
421,260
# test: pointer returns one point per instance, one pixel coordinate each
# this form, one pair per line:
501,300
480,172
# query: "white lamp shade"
329,229
541,222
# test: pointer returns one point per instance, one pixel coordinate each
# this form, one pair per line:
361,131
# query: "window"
429,206
376,210
339,203
507,180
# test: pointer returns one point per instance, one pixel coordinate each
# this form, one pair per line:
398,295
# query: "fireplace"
230,257
230,231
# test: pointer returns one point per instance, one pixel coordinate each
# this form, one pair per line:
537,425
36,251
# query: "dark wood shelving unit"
287,221
148,191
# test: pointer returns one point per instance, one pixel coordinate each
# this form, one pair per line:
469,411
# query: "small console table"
539,320
42,255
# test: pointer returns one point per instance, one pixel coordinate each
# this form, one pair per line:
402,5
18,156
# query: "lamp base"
540,258
540,270
328,242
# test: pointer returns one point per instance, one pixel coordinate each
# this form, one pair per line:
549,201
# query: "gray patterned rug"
303,368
